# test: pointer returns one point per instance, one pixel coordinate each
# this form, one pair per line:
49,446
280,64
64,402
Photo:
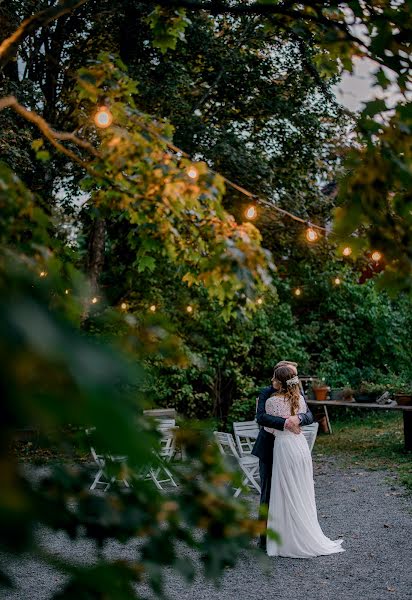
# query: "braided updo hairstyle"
291,392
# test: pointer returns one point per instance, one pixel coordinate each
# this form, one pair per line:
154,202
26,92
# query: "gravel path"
367,508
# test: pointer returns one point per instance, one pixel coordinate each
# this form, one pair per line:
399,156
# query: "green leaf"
43,155
374,107
146,263
37,144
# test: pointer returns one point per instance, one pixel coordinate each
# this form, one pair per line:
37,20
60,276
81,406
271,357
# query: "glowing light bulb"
123,306
259,300
311,234
376,256
347,251
298,292
251,212
43,274
153,308
337,281
103,117
94,300
189,309
192,173
67,292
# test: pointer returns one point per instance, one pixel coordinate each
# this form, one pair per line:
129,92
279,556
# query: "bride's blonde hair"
291,392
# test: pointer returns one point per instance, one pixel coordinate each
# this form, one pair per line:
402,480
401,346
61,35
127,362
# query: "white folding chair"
248,464
165,455
246,433
102,477
165,424
310,432
161,413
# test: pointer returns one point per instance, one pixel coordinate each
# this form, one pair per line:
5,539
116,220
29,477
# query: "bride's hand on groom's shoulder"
293,424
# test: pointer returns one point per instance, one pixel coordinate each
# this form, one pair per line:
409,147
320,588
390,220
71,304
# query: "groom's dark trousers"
263,447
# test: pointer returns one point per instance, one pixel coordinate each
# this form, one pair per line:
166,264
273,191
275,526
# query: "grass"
374,441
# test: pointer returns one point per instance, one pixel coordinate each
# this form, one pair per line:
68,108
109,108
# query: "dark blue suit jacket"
263,447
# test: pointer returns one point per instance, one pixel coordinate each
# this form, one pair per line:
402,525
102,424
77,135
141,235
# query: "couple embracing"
286,472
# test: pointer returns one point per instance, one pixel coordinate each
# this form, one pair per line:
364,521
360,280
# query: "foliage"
377,191
228,360
53,375
168,27
339,322
245,88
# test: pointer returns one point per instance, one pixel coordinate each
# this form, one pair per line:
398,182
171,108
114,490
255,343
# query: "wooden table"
406,410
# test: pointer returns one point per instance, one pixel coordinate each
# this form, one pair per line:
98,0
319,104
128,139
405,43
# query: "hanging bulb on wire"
251,212
192,172
347,251
376,256
311,234
103,117
298,292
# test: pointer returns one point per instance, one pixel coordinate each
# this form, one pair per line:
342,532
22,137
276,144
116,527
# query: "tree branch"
48,132
9,46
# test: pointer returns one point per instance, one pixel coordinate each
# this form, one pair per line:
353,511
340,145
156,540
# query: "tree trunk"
95,259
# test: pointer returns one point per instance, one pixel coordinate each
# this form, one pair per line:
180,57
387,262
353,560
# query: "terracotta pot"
403,399
321,393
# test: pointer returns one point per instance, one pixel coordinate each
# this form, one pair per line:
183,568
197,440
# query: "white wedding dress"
292,506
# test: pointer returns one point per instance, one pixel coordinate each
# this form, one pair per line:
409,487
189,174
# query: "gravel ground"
367,508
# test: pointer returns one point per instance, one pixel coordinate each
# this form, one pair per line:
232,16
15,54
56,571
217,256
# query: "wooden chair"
248,464
246,433
102,477
165,455
310,432
161,413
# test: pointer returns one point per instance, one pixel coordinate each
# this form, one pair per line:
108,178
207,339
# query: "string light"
179,152
153,308
192,172
260,301
376,256
94,300
251,212
298,292
189,309
311,234
337,281
347,251
43,274
123,306
103,117
67,292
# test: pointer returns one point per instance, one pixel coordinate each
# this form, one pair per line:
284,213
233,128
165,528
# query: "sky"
356,88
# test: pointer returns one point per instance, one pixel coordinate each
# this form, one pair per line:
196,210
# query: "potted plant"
337,393
347,394
320,389
403,394
369,392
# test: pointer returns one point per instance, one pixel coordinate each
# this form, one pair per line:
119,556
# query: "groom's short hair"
284,363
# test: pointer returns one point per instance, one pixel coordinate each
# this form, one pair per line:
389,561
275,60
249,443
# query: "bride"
292,506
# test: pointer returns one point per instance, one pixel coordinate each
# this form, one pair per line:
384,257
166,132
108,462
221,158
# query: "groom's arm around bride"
263,447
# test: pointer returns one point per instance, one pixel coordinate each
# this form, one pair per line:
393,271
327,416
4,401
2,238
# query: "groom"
263,447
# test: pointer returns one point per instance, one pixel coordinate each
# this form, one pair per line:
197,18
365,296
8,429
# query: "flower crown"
293,381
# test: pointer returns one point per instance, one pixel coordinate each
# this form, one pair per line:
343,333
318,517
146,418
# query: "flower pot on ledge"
321,393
